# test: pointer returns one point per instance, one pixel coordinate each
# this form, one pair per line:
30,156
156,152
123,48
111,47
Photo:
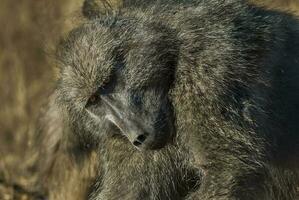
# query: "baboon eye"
104,89
93,99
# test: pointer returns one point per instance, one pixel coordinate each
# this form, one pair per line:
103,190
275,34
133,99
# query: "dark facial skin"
141,114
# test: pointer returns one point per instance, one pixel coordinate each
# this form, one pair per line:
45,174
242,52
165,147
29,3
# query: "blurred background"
29,31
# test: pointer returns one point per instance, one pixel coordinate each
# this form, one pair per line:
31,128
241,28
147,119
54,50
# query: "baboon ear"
95,8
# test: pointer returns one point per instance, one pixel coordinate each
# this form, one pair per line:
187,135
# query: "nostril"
136,143
141,138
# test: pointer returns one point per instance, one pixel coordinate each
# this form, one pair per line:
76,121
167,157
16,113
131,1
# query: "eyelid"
108,85
104,89
93,99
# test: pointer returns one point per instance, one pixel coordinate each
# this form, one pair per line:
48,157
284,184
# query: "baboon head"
116,75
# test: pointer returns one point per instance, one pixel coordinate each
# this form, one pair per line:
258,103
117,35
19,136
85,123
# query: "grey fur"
224,74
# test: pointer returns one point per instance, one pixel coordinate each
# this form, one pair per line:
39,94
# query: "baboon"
194,101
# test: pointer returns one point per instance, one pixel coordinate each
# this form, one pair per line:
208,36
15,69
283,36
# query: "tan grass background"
29,30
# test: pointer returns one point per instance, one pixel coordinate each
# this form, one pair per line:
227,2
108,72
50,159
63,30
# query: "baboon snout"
139,133
144,131
144,140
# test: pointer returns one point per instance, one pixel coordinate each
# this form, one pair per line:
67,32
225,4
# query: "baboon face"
112,81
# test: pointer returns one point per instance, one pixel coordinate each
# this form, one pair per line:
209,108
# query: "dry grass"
29,30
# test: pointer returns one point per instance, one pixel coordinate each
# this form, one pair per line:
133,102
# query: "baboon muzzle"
139,127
